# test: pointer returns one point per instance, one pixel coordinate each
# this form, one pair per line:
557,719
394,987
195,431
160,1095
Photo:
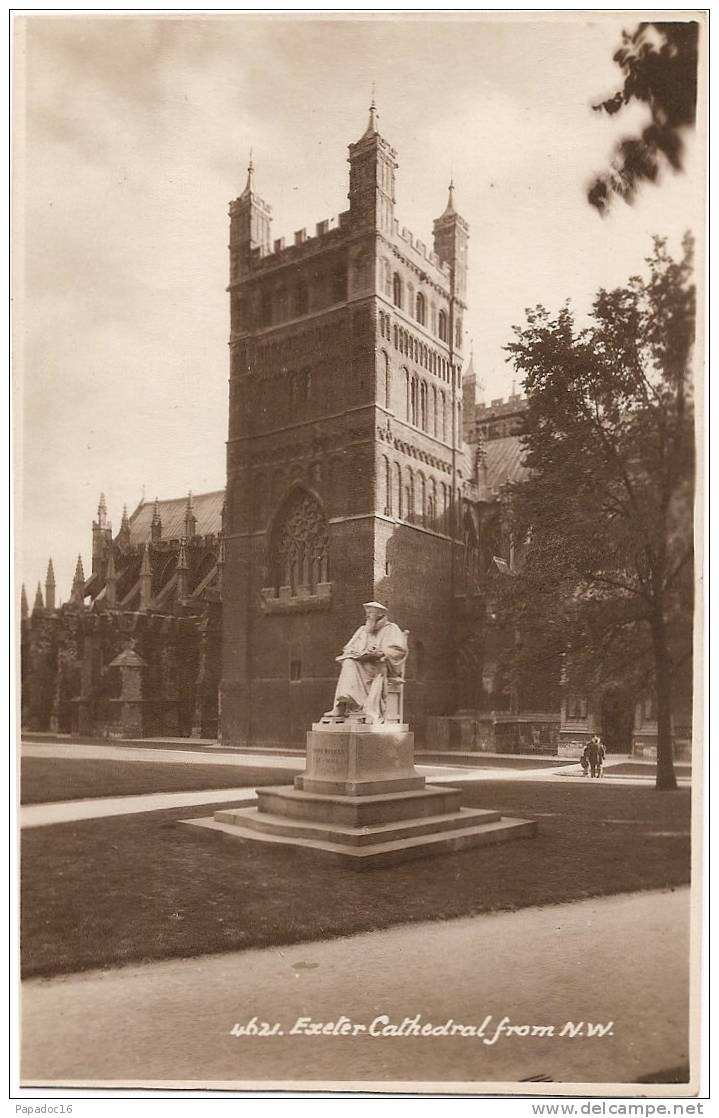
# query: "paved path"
437,774
582,962
70,811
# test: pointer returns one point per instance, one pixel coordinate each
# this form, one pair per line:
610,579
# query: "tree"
605,584
660,64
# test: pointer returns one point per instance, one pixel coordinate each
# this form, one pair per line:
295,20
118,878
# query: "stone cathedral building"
359,466
346,474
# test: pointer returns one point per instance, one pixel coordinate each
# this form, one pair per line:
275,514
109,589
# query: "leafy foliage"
605,582
660,63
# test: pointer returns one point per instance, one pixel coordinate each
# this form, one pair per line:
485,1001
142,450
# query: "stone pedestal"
359,761
361,801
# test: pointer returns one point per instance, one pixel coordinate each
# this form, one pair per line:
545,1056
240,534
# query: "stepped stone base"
361,802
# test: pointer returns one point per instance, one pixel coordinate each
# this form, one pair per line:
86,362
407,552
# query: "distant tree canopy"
660,65
604,586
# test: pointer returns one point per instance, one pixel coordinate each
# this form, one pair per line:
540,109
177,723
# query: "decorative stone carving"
299,548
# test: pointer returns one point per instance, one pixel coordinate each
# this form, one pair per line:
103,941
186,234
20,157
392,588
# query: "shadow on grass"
110,891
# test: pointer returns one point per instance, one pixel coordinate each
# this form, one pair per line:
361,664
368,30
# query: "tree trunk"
666,779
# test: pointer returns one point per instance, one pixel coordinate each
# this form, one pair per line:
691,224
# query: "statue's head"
374,612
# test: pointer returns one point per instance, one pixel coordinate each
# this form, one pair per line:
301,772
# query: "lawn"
109,891
51,780
632,768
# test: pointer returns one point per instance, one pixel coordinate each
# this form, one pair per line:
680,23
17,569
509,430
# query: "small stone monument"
360,798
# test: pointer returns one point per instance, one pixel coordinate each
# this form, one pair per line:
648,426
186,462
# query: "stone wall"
494,733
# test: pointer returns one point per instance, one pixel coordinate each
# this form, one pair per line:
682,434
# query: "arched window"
423,405
161,575
387,382
434,411
420,309
387,488
442,328
387,279
397,290
444,417
299,549
410,497
432,504
414,408
422,499
409,394
400,502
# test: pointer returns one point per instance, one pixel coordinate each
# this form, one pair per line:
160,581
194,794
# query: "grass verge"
52,780
110,891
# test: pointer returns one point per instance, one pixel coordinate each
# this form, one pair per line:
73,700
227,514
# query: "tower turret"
38,603
190,518
451,242
50,587
156,523
24,609
183,571
469,398
250,227
101,536
373,163
123,536
77,594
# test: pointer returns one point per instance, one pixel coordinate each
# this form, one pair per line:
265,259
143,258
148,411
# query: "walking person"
595,755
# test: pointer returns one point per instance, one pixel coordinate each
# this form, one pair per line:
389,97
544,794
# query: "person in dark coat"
596,753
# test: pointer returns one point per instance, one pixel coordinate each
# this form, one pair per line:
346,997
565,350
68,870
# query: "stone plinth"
361,802
359,761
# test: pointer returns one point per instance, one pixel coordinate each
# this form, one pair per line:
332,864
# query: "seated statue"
375,653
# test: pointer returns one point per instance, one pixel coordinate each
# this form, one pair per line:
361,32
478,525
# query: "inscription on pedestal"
328,761
356,762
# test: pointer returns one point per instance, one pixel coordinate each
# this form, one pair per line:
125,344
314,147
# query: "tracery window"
299,549
420,310
442,326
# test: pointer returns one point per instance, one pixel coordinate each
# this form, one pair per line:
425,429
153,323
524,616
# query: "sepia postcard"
359,448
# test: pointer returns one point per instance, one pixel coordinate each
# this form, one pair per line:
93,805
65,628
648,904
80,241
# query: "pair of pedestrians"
592,758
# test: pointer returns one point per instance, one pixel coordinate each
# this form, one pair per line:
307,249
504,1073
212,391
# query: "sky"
133,134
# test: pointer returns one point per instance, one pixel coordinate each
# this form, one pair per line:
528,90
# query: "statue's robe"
362,682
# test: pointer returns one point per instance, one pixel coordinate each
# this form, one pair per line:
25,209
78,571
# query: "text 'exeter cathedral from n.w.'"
356,455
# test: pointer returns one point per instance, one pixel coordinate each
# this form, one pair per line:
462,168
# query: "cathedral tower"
343,455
